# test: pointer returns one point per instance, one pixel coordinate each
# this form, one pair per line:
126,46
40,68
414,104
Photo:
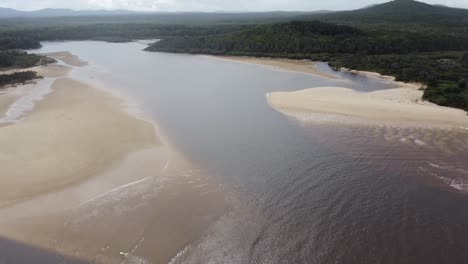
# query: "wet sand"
7,98
302,66
74,133
84,178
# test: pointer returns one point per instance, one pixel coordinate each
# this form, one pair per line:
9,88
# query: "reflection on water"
304,193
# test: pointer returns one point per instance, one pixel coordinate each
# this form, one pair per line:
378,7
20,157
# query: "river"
301,192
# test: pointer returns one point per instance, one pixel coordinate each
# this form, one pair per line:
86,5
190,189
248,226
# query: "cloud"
206,5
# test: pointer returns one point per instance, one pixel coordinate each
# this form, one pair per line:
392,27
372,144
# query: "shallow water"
303,192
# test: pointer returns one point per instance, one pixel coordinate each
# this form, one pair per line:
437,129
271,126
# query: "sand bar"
302,66
74,133
401,105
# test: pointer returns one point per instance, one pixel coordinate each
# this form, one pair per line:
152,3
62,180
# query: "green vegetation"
17,77
13,59
12,40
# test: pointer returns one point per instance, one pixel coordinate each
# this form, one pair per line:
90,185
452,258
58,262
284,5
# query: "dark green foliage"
464,59
17,41
313,37
440,71
462,84
18,77
18,59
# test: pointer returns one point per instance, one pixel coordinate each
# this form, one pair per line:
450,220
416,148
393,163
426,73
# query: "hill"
47,17
399,12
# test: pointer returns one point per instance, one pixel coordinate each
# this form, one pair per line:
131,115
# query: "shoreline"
290,65
392,79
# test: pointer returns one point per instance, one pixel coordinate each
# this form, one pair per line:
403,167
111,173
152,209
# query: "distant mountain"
47,17
53,12
8,12
400,11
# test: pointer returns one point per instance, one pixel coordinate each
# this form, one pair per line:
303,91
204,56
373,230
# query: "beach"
78,168
73,134
401,105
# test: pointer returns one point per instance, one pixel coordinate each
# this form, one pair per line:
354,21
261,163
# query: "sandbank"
73,134
398,106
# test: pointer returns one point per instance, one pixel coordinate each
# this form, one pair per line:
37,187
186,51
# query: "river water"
319,192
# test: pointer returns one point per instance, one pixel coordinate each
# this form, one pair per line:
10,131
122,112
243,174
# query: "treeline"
30,38
13,40
17,77
21,59
309,37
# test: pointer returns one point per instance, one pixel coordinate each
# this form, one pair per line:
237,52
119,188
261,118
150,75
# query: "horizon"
204,6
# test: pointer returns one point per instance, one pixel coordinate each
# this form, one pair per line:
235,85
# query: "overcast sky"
207,5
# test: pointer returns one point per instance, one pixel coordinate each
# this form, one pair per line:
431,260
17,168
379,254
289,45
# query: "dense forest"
312,37
30,38
17,77
19,59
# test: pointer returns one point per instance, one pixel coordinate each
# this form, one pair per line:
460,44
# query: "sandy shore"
83,180
73,134
401,105
302,66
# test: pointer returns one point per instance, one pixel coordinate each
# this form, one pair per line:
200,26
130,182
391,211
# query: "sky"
207,5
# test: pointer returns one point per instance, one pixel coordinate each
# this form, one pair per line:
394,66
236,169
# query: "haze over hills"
52,12
400,11
396,12
59,12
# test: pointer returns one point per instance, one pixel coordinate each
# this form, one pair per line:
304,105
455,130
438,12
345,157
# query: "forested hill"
398,12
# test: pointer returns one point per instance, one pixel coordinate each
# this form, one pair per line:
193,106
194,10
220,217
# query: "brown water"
301,193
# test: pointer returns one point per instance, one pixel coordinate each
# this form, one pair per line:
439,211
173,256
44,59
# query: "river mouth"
299,193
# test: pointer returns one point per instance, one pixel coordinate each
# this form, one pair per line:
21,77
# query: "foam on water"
458,183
